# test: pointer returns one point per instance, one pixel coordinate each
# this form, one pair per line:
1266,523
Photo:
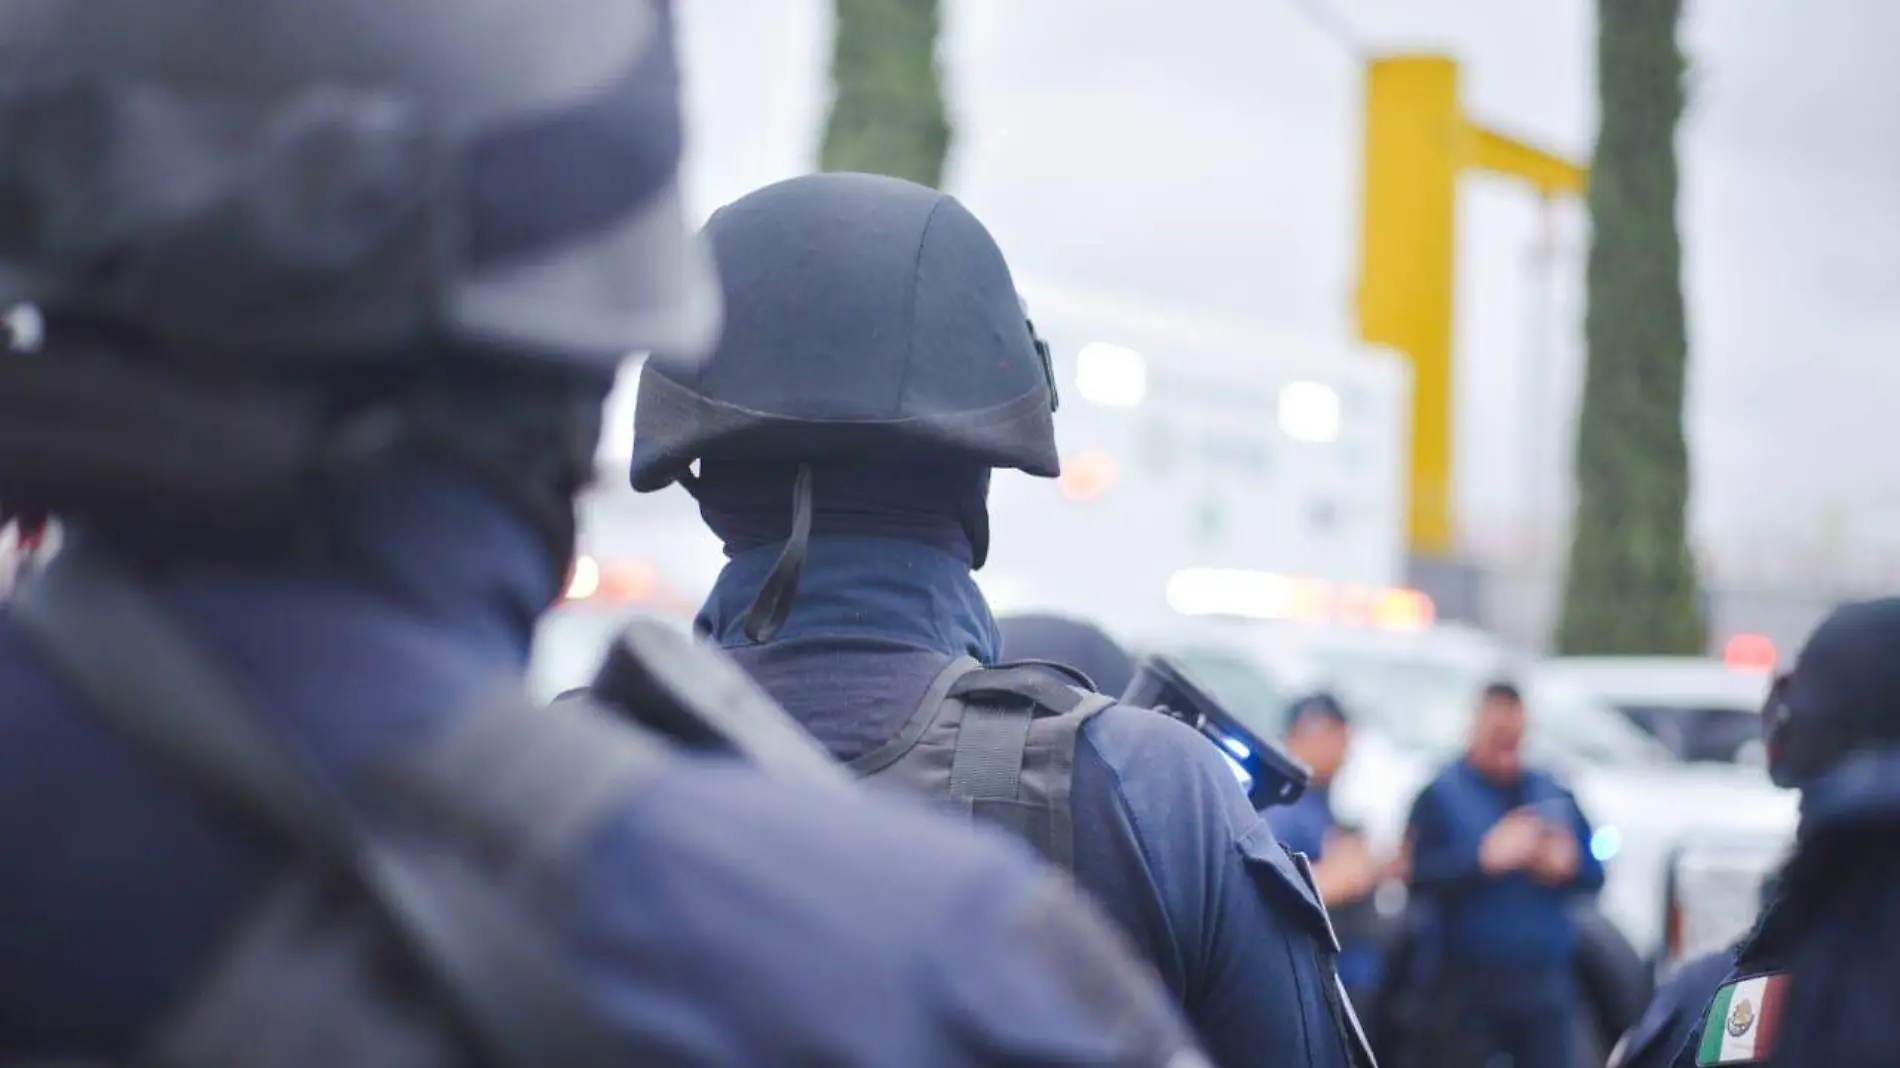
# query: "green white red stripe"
1743,1021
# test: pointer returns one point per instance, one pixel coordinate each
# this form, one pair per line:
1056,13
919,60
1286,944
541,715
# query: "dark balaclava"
941,505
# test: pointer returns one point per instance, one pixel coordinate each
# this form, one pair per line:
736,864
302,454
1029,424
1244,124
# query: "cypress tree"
887,112
1632,583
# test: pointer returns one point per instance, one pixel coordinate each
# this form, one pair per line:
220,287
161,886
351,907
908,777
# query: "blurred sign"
1230,448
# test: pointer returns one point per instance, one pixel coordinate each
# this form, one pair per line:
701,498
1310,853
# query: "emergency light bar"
1208,591
626,582
1752,653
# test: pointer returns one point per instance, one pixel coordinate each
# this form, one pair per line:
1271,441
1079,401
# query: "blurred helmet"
1073,643
285,185
1321,704
1841,698
865,316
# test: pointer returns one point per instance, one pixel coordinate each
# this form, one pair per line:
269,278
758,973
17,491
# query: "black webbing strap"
773,606
920,720
500,985
999,706
1022,682
987,764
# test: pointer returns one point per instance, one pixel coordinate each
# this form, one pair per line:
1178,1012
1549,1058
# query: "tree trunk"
887,114
1632,585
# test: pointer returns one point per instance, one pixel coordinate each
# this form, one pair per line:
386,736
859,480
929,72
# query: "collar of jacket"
862,587
430,545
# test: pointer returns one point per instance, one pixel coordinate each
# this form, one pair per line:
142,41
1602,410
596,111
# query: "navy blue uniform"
1814,981
1678,1004
1506,943
1303,827
1676,1038
1164,837
721,919
1830,927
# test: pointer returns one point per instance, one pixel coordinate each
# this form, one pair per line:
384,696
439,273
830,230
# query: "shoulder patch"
1743,1021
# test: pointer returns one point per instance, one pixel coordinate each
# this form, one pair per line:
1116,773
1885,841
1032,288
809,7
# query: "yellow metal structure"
1417,142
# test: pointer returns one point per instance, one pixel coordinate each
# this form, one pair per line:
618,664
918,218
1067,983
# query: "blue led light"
1606,843
1236,747
1246,780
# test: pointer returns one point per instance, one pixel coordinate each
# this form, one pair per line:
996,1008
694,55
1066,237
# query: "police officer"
334,293
1319,735
1499,850
1813,982
875,368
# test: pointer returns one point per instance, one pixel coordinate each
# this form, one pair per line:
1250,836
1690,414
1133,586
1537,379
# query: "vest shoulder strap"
997,744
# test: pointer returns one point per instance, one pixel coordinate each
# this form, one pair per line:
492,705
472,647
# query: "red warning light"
1754,653
1088,475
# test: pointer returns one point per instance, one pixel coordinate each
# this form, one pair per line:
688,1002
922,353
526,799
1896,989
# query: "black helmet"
1843,695
865,316
1322,704
1072,643
276,241
280,183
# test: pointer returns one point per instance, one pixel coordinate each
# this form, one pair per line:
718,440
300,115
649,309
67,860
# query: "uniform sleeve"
1244,927
1675,1010
730,920
1060,986
1444,853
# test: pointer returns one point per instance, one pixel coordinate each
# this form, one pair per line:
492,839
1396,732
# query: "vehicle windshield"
1701,732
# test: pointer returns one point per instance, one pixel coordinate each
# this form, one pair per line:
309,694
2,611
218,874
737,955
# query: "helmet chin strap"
774,603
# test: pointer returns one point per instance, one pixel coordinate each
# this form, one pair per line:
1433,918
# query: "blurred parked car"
1702,709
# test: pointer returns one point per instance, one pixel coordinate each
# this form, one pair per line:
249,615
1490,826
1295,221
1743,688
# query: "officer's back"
1319,735
371,507
850,488
1147,846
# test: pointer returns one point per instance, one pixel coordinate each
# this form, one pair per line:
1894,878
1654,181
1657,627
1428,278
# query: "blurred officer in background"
1319,734
876,366
334,293
1815,982
1070,642
1498,850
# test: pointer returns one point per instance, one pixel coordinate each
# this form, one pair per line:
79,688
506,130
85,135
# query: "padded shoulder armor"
491,816
421,922
997,743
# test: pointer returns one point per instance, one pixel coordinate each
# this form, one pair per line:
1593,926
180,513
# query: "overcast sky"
1204,153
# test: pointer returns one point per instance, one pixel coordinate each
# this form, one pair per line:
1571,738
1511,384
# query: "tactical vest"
421,924
997,744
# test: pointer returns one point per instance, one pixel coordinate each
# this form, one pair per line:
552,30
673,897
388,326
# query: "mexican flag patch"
1743,1021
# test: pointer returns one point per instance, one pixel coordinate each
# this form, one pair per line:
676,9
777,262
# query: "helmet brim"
644,284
